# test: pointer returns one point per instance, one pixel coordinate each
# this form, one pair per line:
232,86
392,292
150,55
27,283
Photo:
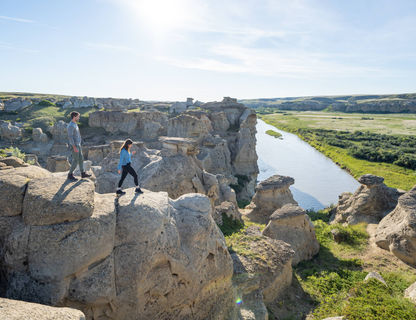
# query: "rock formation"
411,292
259,281
39,136
57,164
397,231
372,201
16,104
144,256
9,132
18,310
271,194
291,224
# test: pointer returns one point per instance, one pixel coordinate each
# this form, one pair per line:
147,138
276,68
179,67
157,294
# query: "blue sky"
173,49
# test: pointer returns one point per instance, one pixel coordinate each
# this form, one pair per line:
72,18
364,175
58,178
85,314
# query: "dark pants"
128,169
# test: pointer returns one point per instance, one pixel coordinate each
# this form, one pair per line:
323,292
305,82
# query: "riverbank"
394,175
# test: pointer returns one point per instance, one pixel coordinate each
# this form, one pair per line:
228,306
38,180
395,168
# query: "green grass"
241,243
336,283
274,133
394,175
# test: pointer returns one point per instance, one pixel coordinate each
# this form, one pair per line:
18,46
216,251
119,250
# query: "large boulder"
57,164
10,132
291,224
56,199
397,231
59,132
13,161
271,194
262,273
39,136
18,310
143,256
16,104
188,126
145,125
372,201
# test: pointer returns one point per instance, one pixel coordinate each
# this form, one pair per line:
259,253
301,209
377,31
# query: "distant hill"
393,103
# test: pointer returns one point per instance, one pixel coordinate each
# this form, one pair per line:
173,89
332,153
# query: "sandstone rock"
13,162
397,231
271,194
272,274
12,189
39,136
335,318
16,104
57,164
144,256
59,132
177,145
175,231
56,200
187,126
372,201
10,132
411,292
146,125
18,310
375,275
292,225
226,208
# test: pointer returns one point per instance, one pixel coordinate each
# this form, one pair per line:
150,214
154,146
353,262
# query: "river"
318,180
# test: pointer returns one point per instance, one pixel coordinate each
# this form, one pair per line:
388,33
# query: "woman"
125,165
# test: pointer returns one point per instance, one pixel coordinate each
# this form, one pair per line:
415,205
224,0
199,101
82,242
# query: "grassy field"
403,123
394,175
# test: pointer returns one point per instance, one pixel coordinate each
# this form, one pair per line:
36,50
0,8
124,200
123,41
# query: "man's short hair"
74,114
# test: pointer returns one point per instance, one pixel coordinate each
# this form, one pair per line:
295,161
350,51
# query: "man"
75,143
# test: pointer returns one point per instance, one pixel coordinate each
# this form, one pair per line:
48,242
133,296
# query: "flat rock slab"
18,310
55,200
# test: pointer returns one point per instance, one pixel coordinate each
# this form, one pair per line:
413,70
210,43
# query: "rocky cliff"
142,257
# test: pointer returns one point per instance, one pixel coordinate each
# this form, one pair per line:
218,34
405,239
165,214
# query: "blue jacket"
125,158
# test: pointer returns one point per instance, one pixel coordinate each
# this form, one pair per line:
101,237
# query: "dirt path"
375,258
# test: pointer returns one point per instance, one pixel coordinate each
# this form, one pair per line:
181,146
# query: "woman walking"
124,167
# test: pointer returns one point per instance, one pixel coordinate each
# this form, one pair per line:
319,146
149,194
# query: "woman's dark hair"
126,144
74,114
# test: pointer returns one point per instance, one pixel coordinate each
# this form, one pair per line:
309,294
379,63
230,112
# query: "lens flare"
238,301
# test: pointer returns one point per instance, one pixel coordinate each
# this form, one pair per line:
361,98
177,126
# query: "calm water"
318,180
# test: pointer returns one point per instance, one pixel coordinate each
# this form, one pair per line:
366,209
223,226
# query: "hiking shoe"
85,175
138,190
120,192
71,177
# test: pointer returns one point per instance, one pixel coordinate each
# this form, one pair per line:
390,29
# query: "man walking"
75,142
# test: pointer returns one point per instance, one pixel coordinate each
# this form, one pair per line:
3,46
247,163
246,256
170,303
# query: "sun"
162,16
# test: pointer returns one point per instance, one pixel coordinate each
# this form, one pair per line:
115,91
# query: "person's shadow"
63,192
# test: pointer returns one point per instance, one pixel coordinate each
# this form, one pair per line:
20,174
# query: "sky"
207,49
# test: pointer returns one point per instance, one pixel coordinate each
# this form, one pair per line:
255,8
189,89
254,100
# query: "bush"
46,103
41,122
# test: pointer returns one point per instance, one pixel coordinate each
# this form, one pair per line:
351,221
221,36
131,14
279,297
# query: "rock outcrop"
39,136
16,104
397,231
259,281
271,194
145,125
57,164
291,224
372,201
19,310
147,256
9,132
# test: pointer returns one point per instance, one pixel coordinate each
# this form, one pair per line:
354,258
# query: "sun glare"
162,16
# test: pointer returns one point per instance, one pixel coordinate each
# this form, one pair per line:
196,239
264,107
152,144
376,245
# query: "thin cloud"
17,19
